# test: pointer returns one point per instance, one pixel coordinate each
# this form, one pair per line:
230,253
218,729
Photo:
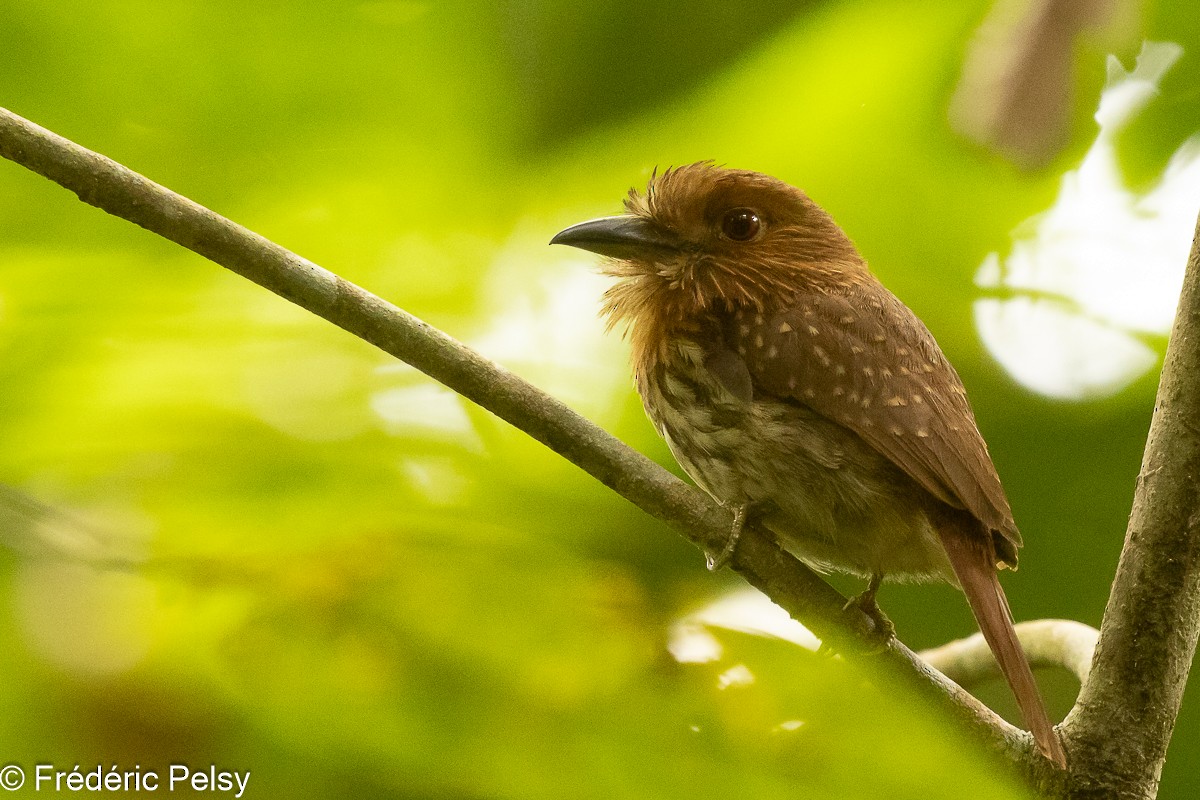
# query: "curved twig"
1048,643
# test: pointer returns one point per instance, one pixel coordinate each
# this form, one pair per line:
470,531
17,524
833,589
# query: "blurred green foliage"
274,550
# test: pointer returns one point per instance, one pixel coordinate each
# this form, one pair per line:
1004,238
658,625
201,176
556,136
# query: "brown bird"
791,385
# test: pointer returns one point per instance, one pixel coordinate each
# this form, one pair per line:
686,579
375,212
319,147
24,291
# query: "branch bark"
1118,732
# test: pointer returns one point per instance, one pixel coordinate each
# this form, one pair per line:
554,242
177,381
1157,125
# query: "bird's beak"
626,236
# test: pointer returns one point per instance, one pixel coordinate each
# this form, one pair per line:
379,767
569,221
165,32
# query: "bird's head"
704,238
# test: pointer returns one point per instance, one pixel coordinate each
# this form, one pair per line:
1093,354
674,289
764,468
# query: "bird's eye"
741,224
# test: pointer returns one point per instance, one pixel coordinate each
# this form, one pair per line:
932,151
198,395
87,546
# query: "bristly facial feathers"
797,245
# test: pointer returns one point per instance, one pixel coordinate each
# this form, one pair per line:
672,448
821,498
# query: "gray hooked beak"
626,236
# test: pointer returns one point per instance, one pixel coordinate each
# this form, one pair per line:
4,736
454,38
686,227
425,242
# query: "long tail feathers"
976,571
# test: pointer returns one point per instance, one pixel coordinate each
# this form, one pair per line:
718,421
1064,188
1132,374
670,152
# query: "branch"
1121,725
118,190
1047,642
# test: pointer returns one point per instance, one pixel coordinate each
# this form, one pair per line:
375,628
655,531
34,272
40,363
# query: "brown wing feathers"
826,351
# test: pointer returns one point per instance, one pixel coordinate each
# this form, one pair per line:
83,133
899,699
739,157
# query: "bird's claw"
714,563
884,628
865,603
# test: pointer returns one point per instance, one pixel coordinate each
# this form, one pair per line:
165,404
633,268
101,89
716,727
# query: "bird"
799,392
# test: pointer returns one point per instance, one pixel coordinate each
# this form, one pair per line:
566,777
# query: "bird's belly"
831,499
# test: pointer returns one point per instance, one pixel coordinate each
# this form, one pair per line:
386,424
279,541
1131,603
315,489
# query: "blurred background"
232,535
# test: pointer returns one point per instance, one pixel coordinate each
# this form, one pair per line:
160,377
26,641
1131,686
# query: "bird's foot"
885,631
714,563
865,602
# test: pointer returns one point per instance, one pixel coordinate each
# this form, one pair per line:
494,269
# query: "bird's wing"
864,360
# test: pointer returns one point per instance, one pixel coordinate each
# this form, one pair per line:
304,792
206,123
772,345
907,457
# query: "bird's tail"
975,567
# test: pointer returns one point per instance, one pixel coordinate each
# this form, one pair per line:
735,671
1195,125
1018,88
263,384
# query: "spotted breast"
765,408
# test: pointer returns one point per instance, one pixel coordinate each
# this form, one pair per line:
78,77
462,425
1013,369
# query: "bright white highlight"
744,610
1101,270
546,325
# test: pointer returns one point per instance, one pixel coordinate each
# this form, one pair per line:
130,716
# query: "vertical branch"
1118,732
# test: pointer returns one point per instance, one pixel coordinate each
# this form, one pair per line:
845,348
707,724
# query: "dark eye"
741,224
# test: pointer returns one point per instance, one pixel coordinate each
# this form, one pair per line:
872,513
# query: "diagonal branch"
1119,730
117,190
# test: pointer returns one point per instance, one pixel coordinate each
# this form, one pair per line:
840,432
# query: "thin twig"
1061,643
